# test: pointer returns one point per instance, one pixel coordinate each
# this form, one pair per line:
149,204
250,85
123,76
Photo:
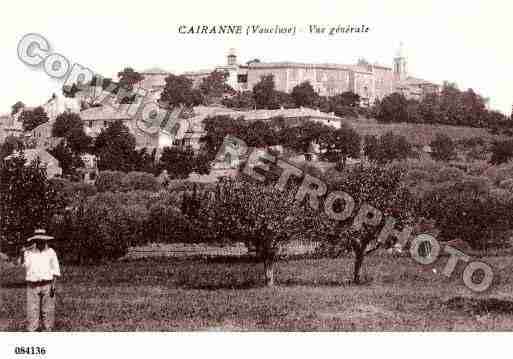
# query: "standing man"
42,270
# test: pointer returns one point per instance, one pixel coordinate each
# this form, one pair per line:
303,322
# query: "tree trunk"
269,273
358,260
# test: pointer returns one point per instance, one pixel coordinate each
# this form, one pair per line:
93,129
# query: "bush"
167,224
109,181
116,181
498,174
477,154
387,148
478,168
450,174
69,191
472,142
102,227
443,148
502,152
507,184
468,211
140,181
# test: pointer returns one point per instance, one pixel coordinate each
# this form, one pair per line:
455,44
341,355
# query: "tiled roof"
102,113
415,81
253,115
155,71
33,154
325,66
198,73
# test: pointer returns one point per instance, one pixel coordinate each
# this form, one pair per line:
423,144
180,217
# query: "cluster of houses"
96,118
369,81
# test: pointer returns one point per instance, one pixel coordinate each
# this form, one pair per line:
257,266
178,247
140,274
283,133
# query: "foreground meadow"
227,295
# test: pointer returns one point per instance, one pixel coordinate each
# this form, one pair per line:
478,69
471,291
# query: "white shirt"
41,265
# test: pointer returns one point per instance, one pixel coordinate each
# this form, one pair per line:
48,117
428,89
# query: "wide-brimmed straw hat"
41,235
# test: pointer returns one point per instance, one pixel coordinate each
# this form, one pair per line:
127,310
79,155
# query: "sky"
466,42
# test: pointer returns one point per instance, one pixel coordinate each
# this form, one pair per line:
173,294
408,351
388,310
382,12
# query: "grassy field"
418,133
311,294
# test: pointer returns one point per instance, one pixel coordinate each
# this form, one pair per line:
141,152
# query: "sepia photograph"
254,167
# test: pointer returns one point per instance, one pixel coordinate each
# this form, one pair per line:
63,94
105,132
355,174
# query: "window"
242,78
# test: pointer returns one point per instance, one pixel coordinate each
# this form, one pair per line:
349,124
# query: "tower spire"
400,62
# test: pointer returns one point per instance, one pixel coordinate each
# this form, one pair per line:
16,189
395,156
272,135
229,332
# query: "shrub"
167,224
502,151
140,181
467,211
507,184
109,181
471,142
478,168
70,191
498,174
443,148
450,174
477,154
103,227
387,148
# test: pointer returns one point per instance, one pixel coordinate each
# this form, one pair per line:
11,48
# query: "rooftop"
102,113
324,66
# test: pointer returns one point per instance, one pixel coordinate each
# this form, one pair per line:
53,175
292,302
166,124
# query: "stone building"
50,163
369,81
97,118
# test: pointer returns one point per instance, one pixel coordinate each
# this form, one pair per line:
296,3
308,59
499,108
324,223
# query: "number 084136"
30,350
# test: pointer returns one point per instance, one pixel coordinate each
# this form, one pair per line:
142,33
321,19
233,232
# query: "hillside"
418,133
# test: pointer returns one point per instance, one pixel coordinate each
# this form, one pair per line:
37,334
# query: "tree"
259,134
242,100
216,129
345,99
114,148
70,127
27,200
282,99
17,107
33,118
300,138
78,141
387,148
65,122
502,152
371,147
180,163
127,79
264,92
70,91
338,145
214,86
177,162
69,160
304,95
179,91
393,108
380,187
145,161
443,148
10,145
239,211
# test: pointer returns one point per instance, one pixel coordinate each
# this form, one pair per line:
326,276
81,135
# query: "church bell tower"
400,70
